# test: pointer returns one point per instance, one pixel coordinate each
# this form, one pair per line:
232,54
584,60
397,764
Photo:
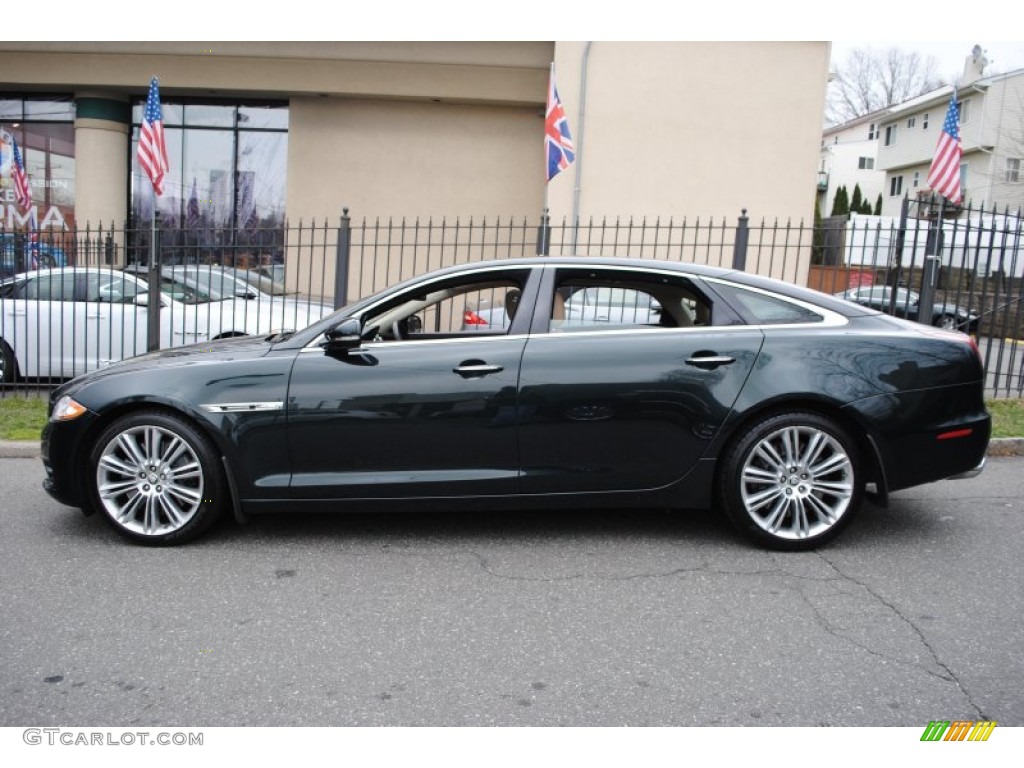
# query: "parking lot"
587,619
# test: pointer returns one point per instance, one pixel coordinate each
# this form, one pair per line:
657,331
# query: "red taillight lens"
954,434
469,317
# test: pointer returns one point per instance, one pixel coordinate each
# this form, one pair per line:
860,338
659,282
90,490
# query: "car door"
51,339
631,402
423,408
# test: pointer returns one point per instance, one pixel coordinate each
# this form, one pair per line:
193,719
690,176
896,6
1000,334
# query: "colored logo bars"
958,730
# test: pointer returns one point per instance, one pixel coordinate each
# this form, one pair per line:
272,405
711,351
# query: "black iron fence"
90,303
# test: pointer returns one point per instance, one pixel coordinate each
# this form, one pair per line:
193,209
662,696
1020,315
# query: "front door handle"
709,361
476,368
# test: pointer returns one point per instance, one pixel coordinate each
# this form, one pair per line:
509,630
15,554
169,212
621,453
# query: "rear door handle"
473,368
709,361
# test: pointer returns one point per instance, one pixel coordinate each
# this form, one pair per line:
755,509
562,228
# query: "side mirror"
344,336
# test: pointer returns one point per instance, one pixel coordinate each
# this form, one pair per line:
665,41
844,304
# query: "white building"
991,135
849,154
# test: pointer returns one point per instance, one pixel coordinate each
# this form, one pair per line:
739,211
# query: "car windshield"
211,282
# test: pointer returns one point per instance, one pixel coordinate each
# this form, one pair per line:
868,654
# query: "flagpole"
153,272
543,245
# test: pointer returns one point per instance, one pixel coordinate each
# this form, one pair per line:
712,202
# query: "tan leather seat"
558,308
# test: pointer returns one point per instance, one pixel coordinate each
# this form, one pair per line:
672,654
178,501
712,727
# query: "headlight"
67,409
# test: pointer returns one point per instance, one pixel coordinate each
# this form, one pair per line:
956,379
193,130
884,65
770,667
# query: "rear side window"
763,309
588,299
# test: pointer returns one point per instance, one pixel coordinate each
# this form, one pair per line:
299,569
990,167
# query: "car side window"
480,305
55,287
764,309
113,289
592,300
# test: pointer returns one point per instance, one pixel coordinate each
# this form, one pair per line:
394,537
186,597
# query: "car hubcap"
797,482
150,480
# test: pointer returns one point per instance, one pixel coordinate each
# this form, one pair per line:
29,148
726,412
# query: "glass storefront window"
224,196
46,137
205,114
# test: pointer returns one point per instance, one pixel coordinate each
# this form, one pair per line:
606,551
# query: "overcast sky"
949,56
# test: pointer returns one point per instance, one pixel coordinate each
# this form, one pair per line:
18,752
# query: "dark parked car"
908,304
782,407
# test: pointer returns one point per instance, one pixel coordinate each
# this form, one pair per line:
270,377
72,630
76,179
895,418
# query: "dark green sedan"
782,407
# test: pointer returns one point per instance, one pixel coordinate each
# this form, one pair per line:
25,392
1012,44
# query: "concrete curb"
29,449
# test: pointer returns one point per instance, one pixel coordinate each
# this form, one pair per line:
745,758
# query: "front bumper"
61,451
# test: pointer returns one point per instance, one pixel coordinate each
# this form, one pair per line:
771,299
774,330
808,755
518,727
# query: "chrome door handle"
467,371
709,361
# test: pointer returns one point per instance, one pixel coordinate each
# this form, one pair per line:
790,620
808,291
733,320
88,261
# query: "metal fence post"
739,248
544,234
930,269
153,315
341,260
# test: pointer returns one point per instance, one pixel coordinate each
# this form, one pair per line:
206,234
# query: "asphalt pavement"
590,618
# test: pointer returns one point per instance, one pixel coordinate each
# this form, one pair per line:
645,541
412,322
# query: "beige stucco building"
671,129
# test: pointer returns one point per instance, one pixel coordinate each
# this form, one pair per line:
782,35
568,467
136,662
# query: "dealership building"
259,133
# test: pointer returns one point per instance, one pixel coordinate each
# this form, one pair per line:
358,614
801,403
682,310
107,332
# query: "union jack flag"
557,140
944,175
22,193
152,147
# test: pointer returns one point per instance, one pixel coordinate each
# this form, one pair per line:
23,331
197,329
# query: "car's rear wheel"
947,323
792,481
156,478
8,364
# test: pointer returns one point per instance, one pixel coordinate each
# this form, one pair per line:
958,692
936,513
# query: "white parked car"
258,312
63,322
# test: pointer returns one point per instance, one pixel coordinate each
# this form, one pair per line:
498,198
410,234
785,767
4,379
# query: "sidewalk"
29,449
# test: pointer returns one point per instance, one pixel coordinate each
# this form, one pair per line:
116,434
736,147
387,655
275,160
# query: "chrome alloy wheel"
150,480
797,482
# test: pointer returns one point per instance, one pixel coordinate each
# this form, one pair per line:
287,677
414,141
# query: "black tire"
8,364
156,478
947,323
792,481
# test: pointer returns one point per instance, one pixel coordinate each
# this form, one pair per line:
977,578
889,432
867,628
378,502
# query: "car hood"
206,353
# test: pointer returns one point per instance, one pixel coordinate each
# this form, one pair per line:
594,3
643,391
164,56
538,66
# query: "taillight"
469,317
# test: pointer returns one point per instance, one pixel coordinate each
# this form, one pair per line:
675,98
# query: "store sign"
12,217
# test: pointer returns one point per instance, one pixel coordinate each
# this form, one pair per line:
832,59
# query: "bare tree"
870,79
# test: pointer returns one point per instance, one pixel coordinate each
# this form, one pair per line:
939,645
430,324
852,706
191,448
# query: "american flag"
152,148
557,140
944,176
192,214
22,193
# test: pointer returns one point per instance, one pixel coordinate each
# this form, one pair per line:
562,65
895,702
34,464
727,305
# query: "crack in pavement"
486,567
917,630
826,625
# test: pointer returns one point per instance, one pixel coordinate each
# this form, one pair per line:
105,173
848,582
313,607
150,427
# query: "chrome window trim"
314,344
368,346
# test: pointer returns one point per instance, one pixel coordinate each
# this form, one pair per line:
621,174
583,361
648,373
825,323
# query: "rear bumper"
970,472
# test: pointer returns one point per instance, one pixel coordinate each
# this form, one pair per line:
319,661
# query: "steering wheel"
396,330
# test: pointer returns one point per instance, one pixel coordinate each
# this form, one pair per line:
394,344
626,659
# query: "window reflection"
224,196
48,151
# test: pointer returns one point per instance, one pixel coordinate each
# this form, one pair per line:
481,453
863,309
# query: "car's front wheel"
947,323
156,478
792,481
